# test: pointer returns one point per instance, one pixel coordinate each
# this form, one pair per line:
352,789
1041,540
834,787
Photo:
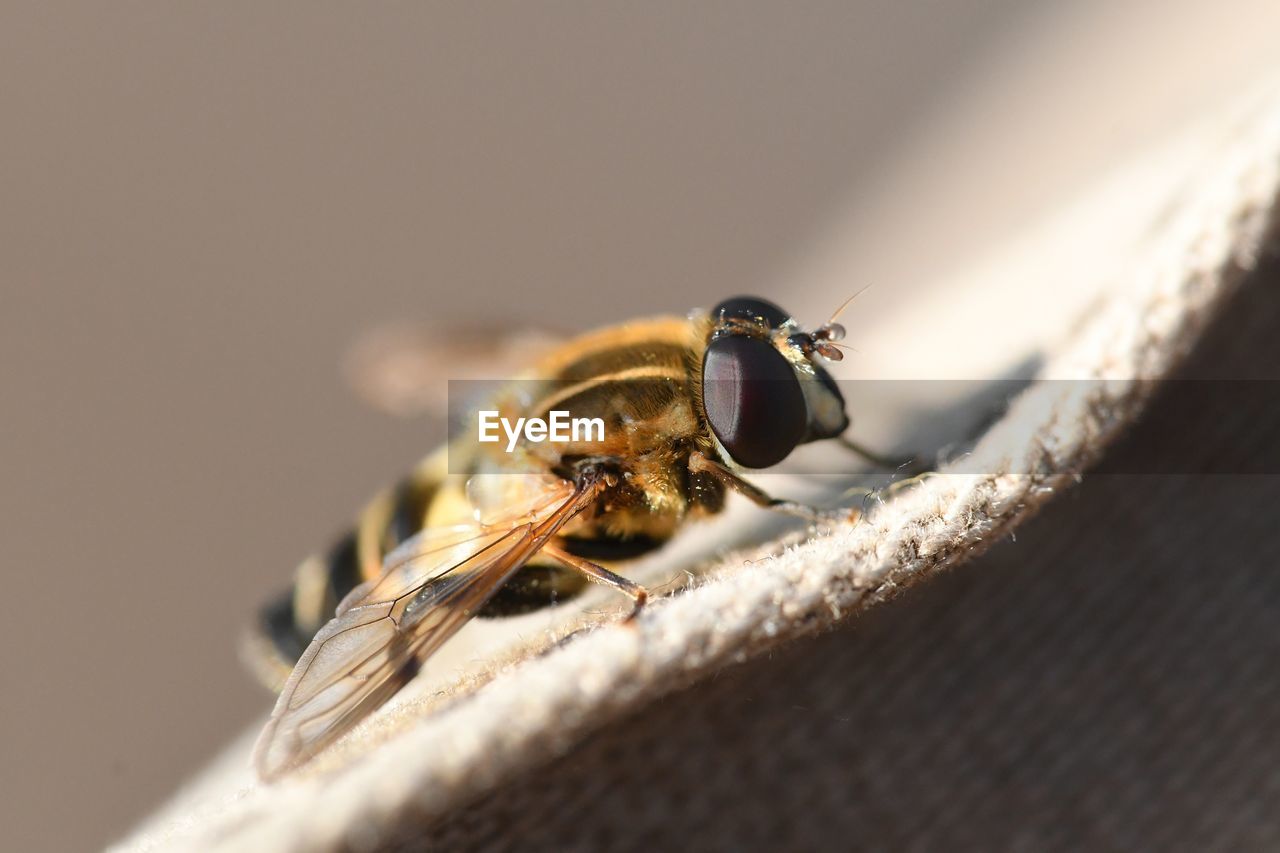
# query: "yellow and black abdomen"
287,624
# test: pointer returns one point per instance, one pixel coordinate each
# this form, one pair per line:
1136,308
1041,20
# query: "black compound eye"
750,308
753,400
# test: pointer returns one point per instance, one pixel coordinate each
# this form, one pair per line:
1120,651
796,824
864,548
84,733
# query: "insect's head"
764,388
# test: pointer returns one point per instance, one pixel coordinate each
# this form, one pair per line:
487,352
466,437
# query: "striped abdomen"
287,624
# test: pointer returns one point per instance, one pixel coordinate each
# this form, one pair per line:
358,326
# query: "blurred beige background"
203,207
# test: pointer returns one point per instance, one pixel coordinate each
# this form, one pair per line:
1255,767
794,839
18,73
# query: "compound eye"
750,308
753,400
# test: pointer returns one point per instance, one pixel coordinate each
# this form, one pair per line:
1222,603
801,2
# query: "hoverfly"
687,402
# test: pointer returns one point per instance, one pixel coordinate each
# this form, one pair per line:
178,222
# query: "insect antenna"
844,305
825,336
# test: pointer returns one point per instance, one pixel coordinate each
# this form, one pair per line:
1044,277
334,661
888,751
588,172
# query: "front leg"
699,462
599,574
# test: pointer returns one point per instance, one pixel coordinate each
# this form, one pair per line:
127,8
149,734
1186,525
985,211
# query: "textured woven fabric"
1016,687
1107,680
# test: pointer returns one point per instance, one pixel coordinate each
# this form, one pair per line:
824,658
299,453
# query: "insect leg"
599,574
910,466
700,462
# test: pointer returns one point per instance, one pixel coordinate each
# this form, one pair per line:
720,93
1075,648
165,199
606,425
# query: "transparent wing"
404,369
387,628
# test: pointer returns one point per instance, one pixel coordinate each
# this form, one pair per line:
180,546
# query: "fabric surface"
997,706
1105,681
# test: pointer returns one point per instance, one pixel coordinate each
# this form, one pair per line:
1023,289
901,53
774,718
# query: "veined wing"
386,629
